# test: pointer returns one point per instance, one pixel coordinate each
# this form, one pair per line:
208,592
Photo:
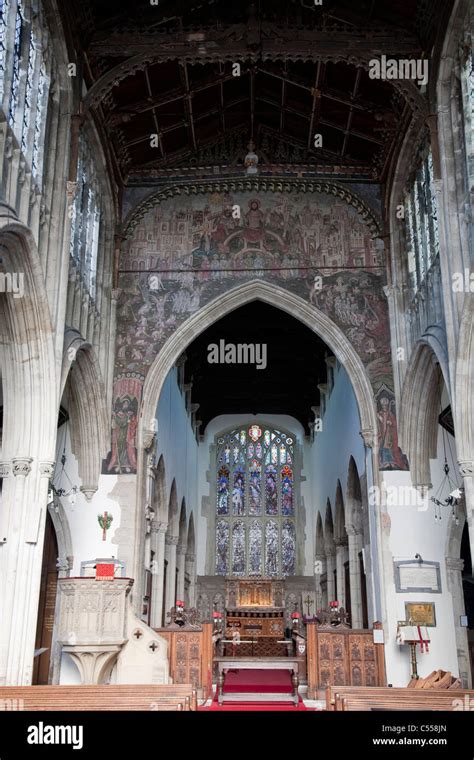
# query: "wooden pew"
340,698
144,697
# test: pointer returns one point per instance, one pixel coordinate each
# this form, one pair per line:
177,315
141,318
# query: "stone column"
24,500
355,545
171,542
341,586
330,566
181,561
454,568
319,562
158,533
190,568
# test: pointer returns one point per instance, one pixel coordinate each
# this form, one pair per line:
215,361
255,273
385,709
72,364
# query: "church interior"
237,355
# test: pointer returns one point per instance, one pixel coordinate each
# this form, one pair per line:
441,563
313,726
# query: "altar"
255,618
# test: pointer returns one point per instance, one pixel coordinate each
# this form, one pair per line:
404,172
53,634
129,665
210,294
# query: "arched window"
25,77
85,218
255,503
421,222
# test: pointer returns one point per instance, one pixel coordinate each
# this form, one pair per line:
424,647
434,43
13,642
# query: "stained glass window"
421,223
255,503
85,218
4,8
222,547
15,87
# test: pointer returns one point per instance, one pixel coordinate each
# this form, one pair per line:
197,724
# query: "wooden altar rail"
190,653
338,656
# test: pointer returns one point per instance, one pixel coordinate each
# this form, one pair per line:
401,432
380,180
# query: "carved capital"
21,466
158,527
5,469
71,190
172,540
369,437
454,563
181,550
46,469
148,438
88,492
466,468
190,557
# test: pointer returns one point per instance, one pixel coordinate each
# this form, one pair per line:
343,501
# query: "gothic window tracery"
255,505
421,223
85,218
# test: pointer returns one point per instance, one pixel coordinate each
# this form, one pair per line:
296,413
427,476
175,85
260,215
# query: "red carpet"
258,682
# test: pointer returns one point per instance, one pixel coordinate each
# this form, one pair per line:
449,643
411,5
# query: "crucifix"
105,521
309,603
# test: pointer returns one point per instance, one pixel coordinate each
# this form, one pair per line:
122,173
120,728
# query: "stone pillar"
341,586
171,542
181,561
330,566
454,568
355,545
24,498
319,562
190,568
158,533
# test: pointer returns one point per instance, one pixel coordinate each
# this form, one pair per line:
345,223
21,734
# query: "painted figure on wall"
390,455
124,426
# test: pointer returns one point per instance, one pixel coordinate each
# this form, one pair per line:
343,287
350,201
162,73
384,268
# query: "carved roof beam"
155,119
188,104
330,93
356,133
171,96
351,112
316,108
368,39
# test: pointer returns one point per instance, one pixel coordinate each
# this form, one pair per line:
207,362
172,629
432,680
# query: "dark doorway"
47,605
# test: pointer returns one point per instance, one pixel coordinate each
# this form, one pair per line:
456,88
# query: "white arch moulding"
255,290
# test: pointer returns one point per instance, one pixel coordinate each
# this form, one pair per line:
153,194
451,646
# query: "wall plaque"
412,576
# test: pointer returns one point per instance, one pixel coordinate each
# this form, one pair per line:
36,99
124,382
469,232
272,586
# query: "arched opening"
468,593
46,607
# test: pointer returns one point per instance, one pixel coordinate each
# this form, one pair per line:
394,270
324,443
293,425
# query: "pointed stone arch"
419,410
191,539
160,502
243,294
353,512
173,513
30,391
88,409
340,535
183,528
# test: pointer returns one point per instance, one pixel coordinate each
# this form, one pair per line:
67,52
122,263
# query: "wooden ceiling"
295,366
168,70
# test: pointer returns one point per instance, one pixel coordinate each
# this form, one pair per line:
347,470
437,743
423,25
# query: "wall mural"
185,252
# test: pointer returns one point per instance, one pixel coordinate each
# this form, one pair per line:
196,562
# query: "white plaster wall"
335,444
177,443
414,530
86,532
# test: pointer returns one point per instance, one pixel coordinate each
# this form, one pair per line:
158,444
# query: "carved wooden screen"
343,657
190,656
